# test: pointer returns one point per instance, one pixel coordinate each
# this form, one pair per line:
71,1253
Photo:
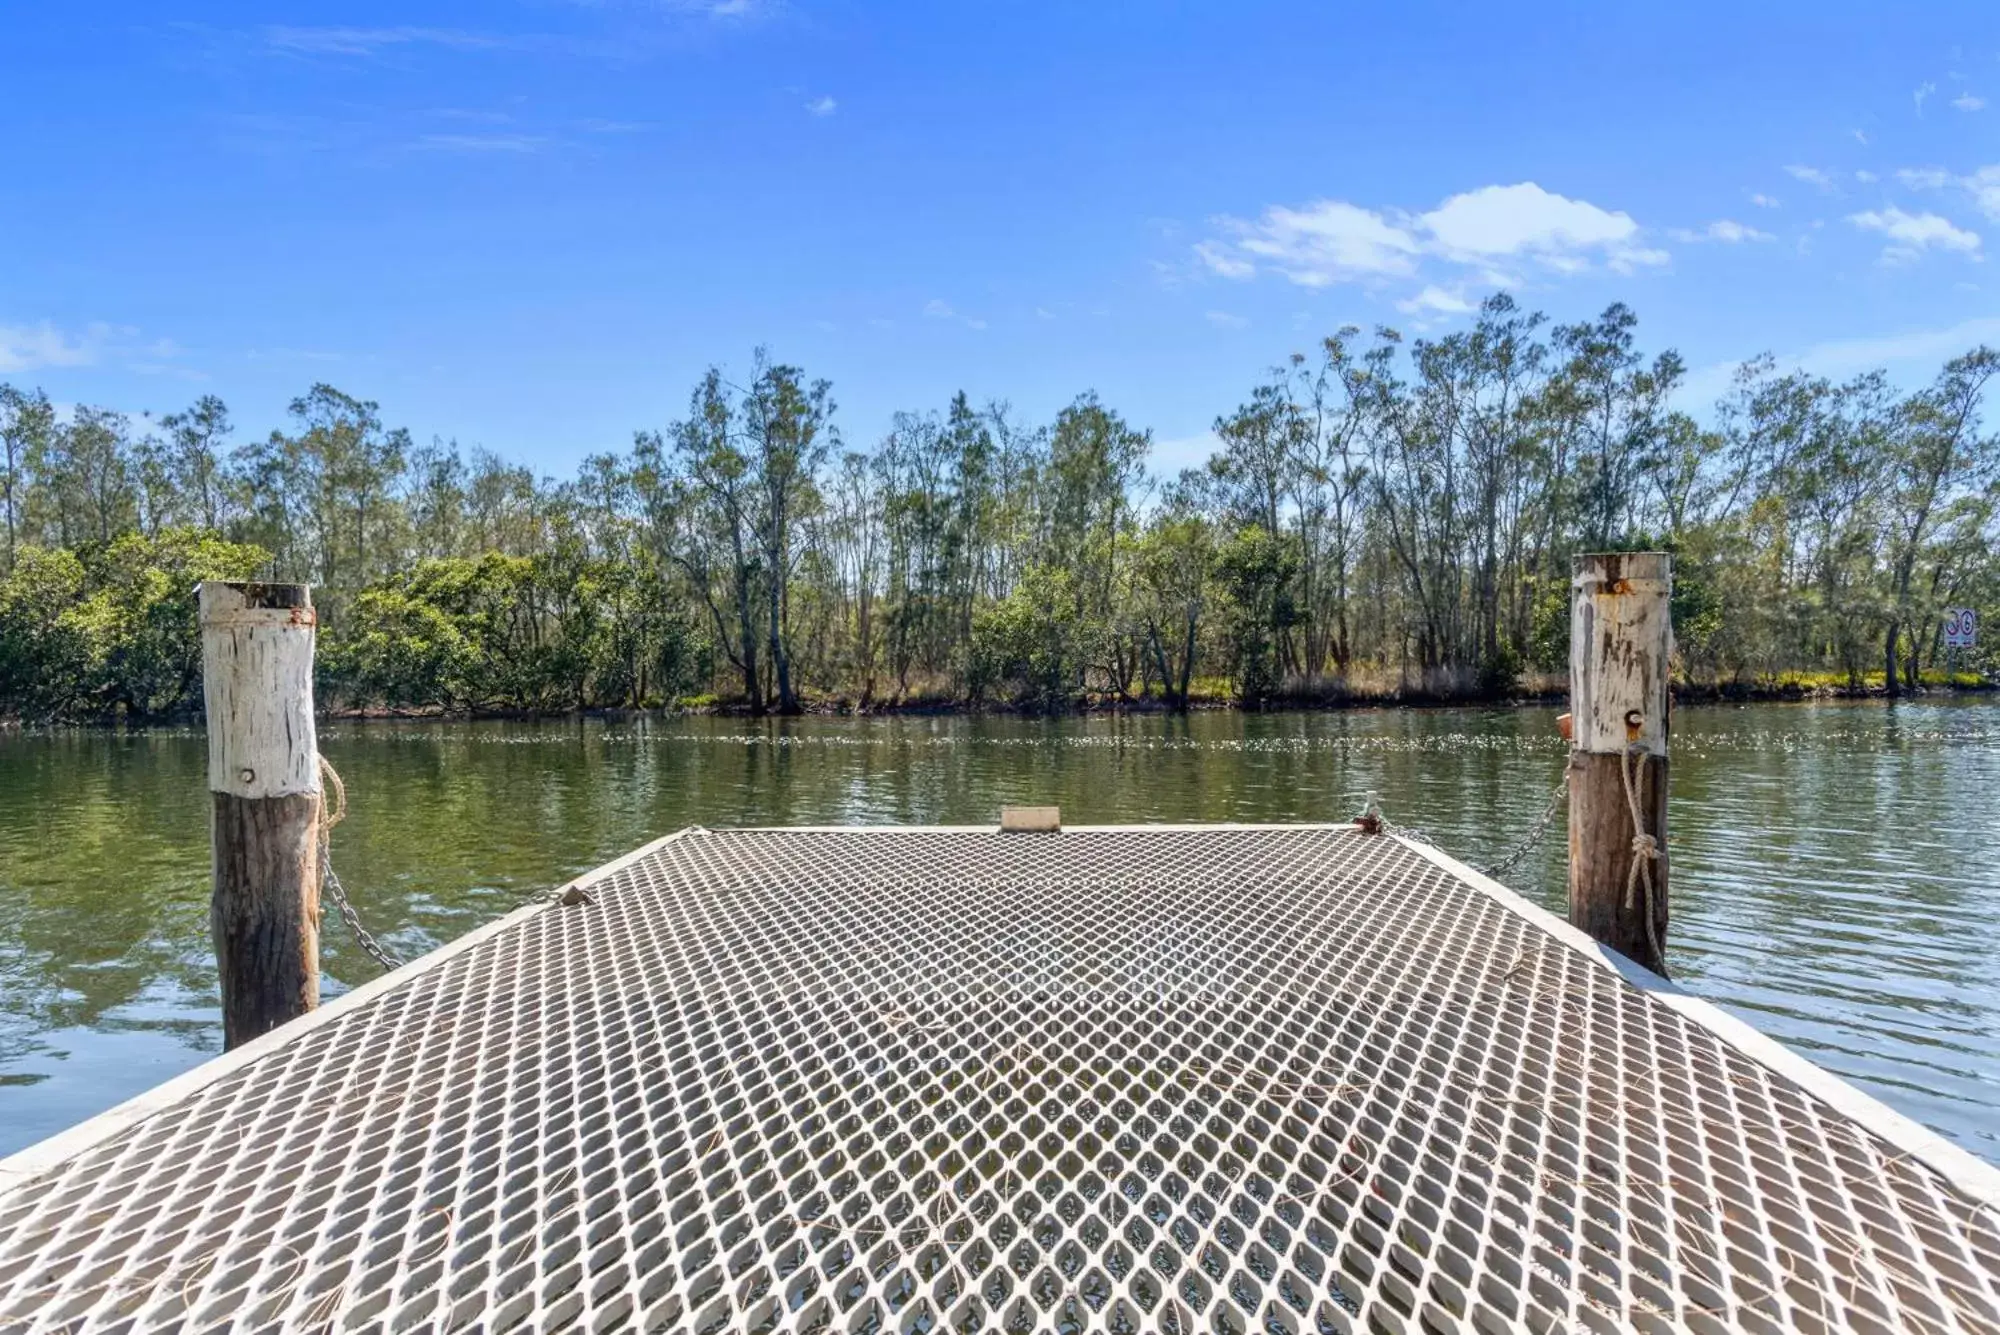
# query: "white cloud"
1323,243
43,346
935,309
1848,356
1490,230
1763,201
350,41
1725,230
356,42
1924,90
33,347
1507,220
1811,176
1910,234
1866,177
1436,300
1218,258
293,354
1969,102
481,143
1224,320
822,106
1983,185
1921,351
1924,178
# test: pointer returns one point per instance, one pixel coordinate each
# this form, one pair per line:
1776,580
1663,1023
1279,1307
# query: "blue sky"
529,224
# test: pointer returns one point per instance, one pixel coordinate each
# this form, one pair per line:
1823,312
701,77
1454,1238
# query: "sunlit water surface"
1836,867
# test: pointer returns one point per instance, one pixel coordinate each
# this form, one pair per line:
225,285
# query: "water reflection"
1836,868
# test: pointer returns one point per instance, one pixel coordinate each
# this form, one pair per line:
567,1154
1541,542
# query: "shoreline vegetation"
1792,690
1380,522
1799,688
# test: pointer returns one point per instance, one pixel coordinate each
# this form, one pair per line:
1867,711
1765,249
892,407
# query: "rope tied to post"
330,816
1645,848
332,813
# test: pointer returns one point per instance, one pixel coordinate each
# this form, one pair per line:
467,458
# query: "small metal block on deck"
1030,820
1137,1080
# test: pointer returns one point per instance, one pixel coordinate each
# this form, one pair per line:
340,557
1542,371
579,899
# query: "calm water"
1836,873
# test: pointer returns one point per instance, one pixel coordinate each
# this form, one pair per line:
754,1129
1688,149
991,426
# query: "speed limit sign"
1961,628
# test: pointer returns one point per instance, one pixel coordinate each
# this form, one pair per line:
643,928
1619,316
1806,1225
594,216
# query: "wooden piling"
263,773
1621,639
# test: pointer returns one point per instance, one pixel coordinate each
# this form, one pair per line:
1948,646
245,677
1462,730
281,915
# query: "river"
1836,866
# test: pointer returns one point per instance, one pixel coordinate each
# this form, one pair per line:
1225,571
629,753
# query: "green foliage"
498,632
1030,648
1379,517
47,657
1255,570
1697,611
1548,632
110,631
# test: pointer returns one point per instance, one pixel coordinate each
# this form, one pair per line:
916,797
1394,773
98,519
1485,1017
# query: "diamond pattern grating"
1183,1080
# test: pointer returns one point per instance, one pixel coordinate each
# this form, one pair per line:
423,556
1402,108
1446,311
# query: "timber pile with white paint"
1157,1078
264,781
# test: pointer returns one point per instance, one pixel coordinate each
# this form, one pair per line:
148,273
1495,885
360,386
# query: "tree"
27,421
197,462
110,632
788,425
1938,455
1172,574
1378,514
714,525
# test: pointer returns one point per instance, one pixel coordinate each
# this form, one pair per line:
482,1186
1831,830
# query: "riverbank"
1548,691
1543,691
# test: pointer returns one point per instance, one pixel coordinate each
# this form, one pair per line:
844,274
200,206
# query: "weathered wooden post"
263,769
1620,639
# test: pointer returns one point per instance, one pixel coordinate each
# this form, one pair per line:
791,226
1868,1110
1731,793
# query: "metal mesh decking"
1148,1079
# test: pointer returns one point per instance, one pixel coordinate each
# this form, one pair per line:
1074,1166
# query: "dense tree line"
1380,517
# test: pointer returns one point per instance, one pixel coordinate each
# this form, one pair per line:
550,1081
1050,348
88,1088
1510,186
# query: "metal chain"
330,885
1371,817
362,936
1538,832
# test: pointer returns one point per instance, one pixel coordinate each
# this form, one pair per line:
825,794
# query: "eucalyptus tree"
435,500
198,461
917,471
788,425
1091,495
1329,418
1372,506
27,421
88,486
713,531
1939,463
1173,572
852,532
502,506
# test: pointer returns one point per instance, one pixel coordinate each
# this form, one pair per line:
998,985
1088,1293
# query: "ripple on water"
1836,868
